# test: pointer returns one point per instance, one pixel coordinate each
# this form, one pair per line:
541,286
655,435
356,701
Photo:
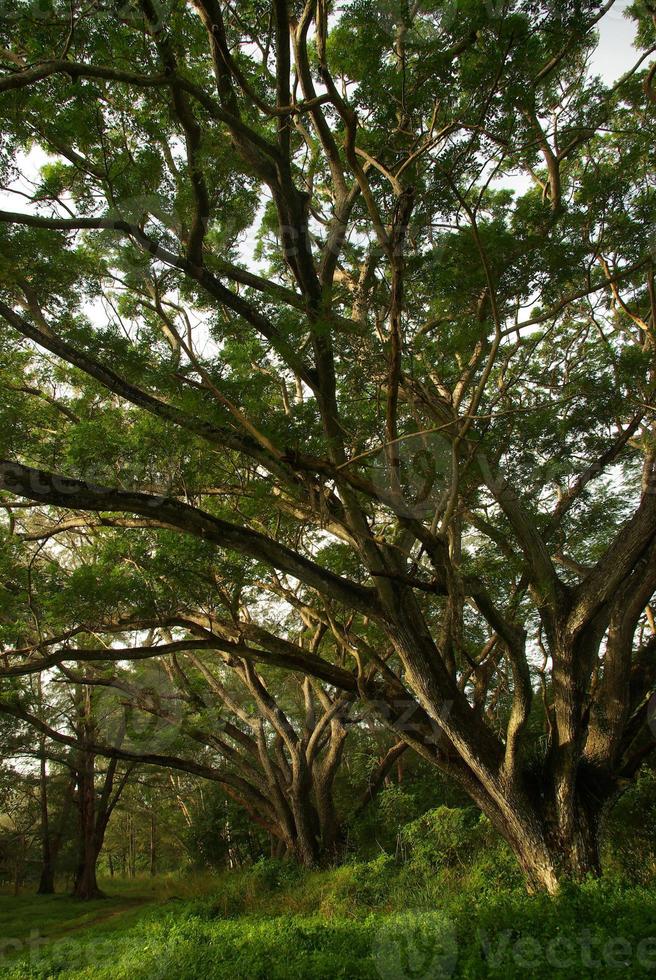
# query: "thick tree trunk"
558,862
331,837
549,853
86,884
305,843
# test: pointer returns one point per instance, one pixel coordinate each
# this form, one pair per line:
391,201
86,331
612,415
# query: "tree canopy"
327,352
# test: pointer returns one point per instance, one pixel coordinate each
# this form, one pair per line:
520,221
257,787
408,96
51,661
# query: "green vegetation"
327,489
327,425
451,903
363,920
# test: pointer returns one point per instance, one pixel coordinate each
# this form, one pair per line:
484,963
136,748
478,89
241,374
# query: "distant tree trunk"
132,847
153,844
19,863
94,808
47,879
53,840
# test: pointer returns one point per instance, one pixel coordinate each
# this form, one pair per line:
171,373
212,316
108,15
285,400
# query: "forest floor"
365,921
31,919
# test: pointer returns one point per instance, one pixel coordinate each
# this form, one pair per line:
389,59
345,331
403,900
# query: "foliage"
328,380
629,833
606,928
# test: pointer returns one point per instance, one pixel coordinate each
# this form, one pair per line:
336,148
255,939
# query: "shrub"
630,845
362,883
271,874
442,838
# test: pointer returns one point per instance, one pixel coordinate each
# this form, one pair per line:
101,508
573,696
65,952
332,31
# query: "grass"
31,922
364,921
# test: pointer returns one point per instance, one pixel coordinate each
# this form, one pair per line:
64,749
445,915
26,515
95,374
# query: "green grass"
53,914
371,921
31,922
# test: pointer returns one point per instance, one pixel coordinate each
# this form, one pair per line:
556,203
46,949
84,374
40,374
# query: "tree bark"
153,844
86,884
47,879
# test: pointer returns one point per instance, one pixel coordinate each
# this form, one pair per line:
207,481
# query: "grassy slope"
361,921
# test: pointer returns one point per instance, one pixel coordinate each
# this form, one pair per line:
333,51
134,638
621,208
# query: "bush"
629,842
271,874
601,929
442,838
358,886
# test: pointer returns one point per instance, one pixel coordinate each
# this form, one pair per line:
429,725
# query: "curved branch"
52,488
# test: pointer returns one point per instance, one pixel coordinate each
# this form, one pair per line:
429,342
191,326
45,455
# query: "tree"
419,413
53,833
274,743
38,790
97,793
279,763
18,825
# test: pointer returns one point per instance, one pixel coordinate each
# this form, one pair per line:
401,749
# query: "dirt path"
111,913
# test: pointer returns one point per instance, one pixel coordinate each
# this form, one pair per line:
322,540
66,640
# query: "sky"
615,53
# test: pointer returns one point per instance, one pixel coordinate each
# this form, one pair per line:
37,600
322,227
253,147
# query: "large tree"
356,303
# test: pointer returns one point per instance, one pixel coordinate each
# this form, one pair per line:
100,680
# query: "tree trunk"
86,885
132,848
19,864
557,862
47,879
52,842
331,836
153,844
549,853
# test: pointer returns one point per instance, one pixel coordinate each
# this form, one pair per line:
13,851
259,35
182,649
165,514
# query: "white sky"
615,53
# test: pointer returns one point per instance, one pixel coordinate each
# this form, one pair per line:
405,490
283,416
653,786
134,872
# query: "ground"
276,923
